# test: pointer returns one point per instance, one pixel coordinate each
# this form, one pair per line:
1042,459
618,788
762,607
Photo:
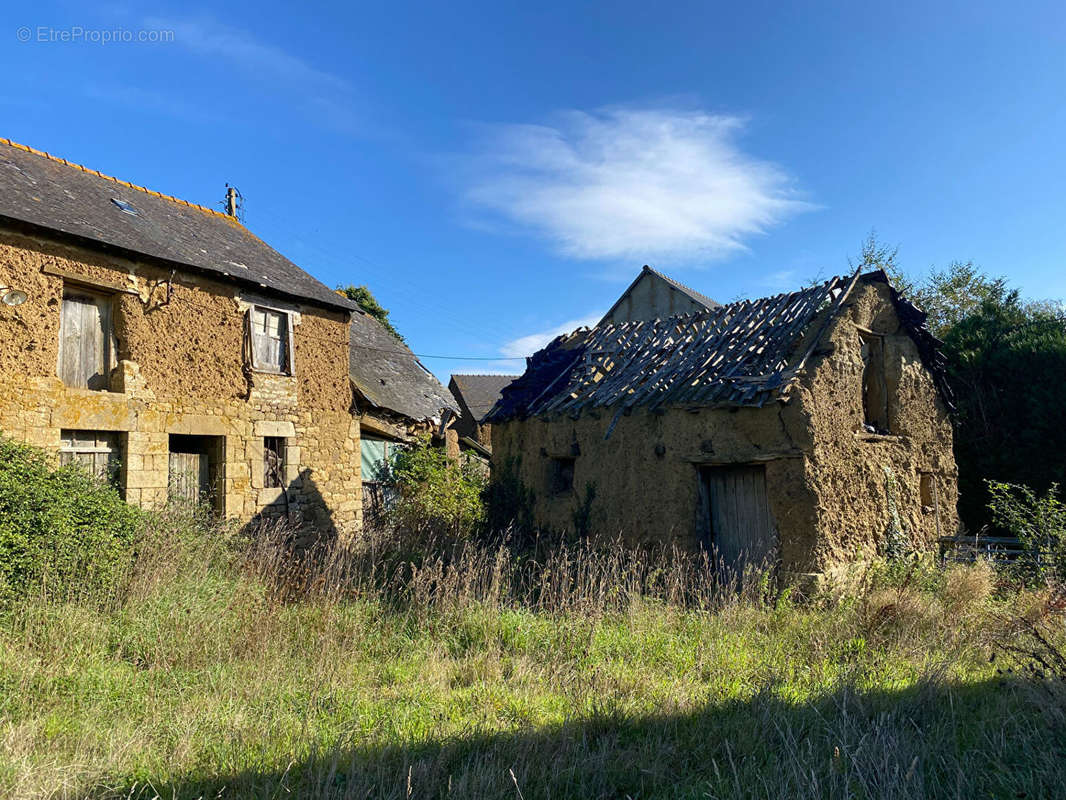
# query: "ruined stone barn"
170,350
808,428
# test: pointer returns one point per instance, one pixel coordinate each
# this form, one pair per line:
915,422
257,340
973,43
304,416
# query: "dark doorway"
195,470
738,519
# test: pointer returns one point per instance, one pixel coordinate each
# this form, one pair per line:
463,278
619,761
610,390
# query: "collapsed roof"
44,191
741,354
389,376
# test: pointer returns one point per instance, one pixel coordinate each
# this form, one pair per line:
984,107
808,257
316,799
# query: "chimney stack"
231,201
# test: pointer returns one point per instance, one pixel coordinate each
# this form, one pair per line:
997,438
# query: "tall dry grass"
231,663
554,574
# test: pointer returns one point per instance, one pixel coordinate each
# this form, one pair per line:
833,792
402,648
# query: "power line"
473,358
393,350
411,295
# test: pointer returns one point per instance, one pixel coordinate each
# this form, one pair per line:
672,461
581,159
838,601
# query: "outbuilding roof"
389,376
692,294
44,191
740,354
479,393
696,297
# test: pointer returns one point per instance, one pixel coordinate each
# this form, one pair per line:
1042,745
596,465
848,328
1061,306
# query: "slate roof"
42,190
741,354
479,393
702,299
390,376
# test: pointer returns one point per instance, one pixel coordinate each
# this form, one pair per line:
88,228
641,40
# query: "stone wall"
644,480
181,371
865,481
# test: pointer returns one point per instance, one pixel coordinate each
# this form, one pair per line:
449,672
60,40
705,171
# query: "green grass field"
201,679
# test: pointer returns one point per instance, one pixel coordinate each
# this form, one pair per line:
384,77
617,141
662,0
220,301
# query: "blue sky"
499,172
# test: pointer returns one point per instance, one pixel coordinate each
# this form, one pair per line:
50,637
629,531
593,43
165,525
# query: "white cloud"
628,183
531,343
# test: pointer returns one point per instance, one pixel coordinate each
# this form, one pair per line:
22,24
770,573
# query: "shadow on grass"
994,739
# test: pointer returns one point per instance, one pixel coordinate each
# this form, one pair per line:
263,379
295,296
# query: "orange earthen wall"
181,370
858,476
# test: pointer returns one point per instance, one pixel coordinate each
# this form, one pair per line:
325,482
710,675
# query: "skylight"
124,207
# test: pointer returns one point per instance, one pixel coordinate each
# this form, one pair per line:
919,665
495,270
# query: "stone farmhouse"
804,429
166,347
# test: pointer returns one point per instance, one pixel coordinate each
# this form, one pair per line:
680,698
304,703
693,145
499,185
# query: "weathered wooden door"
190,478
85,340
742,530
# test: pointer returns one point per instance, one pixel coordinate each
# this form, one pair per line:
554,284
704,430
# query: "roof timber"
743,354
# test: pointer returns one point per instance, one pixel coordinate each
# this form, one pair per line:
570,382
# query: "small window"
273,462
124,207
562,475
927,490
271,331
85,339
97,451
376,456
874,387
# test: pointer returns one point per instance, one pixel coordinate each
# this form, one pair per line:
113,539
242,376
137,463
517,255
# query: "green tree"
1007,363
370,304
951,294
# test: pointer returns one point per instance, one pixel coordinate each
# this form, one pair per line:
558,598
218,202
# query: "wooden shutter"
85,340
289,345
97,451
190,480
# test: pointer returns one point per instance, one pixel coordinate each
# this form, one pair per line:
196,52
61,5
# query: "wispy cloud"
330,97
782,280
632,183
529,344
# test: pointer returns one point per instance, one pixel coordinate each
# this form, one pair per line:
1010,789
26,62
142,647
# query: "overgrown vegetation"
227,669
435,494
61,531
226,664
1038,521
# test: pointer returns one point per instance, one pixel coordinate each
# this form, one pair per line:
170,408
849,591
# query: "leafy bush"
1039,522
437,493
62,532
